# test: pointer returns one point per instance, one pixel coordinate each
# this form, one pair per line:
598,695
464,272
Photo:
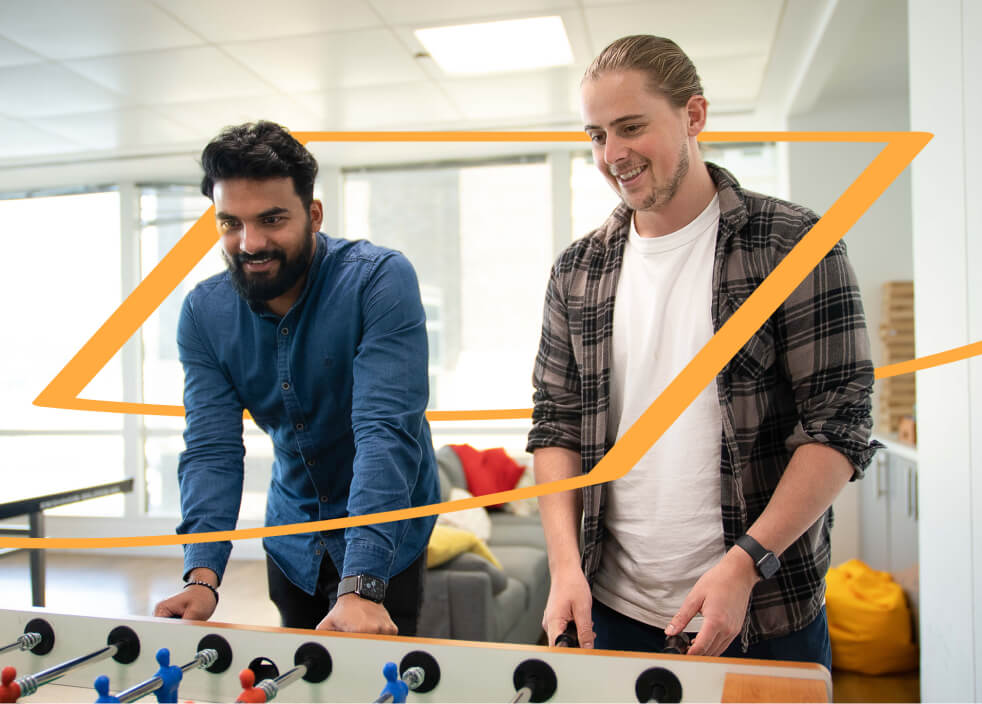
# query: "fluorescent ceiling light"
496,47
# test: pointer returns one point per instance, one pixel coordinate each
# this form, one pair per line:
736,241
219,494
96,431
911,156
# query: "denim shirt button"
285,385
324,499
285,331
311,463
299,426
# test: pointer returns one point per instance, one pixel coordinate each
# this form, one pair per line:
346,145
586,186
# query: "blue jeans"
615,631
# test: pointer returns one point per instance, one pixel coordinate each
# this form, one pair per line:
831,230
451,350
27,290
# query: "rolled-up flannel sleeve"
210,470
825,349
556,414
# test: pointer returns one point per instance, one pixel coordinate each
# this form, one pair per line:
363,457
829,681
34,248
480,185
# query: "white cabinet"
888,510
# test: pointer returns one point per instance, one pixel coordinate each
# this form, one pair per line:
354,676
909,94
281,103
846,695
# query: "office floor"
107,585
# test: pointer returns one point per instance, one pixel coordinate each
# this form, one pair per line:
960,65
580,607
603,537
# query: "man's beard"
662,195
261,287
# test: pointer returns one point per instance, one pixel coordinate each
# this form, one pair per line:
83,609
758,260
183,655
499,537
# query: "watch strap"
765,562
364,585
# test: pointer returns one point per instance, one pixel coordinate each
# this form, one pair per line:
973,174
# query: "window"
479,234
61,282
166,213
480,238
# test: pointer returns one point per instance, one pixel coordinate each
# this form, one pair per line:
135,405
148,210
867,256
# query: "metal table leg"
37,560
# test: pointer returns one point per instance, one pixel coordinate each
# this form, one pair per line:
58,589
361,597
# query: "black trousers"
298,609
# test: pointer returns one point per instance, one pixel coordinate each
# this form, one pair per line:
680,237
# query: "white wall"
945,57
856,97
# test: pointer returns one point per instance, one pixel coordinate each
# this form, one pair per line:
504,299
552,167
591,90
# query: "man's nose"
614,150
251,239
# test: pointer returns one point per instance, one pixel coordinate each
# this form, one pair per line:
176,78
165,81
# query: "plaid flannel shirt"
805,376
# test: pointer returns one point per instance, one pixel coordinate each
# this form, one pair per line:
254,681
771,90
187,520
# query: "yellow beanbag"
447,542
869,621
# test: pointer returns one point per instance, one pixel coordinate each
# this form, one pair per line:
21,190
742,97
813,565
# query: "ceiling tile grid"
124,75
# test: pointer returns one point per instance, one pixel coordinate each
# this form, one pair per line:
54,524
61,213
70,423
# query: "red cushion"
488,471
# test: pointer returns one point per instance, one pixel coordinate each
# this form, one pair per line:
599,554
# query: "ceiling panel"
407,106
731,83
721,28
517,96
322,62
60,30
20,139
428,13
50,89
126,129
207,118
13,55
176,76
237,20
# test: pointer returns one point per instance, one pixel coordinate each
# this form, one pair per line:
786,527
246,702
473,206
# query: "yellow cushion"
447,542
869,621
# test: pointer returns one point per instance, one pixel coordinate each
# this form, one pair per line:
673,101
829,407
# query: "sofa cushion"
531,567
469,562
510,608
450,466
510,529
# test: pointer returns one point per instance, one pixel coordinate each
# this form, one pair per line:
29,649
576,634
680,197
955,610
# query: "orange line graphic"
931,360
63,391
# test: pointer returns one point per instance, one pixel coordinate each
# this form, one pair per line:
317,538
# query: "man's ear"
316,213
696,110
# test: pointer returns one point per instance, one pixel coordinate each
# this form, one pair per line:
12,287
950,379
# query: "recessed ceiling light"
496,47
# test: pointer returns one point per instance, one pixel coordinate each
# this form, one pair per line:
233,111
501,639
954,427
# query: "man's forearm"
813,478
560,512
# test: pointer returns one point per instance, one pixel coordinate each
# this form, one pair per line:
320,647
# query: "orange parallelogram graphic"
899,150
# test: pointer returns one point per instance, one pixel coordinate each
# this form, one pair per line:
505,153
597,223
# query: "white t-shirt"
663,518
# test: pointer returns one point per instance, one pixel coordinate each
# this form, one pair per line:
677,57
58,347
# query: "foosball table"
53,657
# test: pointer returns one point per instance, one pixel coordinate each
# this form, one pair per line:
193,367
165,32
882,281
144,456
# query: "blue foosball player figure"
102,687
393,684
170,677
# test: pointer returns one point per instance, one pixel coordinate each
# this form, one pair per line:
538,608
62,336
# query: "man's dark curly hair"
259,150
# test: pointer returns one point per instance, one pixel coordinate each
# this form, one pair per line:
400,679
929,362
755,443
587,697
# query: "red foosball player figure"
247,678
9,690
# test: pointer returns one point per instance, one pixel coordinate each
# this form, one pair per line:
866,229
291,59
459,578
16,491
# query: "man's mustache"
242,257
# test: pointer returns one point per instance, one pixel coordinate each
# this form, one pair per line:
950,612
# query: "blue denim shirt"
340,384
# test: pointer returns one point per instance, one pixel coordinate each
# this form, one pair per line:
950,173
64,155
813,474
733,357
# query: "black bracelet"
203,584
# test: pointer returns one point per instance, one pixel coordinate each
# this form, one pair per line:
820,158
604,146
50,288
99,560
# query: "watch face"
371,588
768,565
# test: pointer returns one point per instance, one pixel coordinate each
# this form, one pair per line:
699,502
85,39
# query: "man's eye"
228,225
272,219
631,129
597,138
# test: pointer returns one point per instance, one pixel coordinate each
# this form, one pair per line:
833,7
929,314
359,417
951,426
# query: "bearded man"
323,342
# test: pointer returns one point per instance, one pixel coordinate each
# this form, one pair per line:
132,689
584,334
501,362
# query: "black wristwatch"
364,585
765,561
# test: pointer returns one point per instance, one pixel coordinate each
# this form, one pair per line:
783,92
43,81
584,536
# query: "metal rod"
413,677
29,683
203,659
522,695
23,642
273,687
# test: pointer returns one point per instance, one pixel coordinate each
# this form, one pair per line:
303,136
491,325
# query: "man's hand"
196,603
569,600
353,614
722,596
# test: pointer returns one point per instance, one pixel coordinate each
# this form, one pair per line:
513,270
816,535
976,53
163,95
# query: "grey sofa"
469,598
